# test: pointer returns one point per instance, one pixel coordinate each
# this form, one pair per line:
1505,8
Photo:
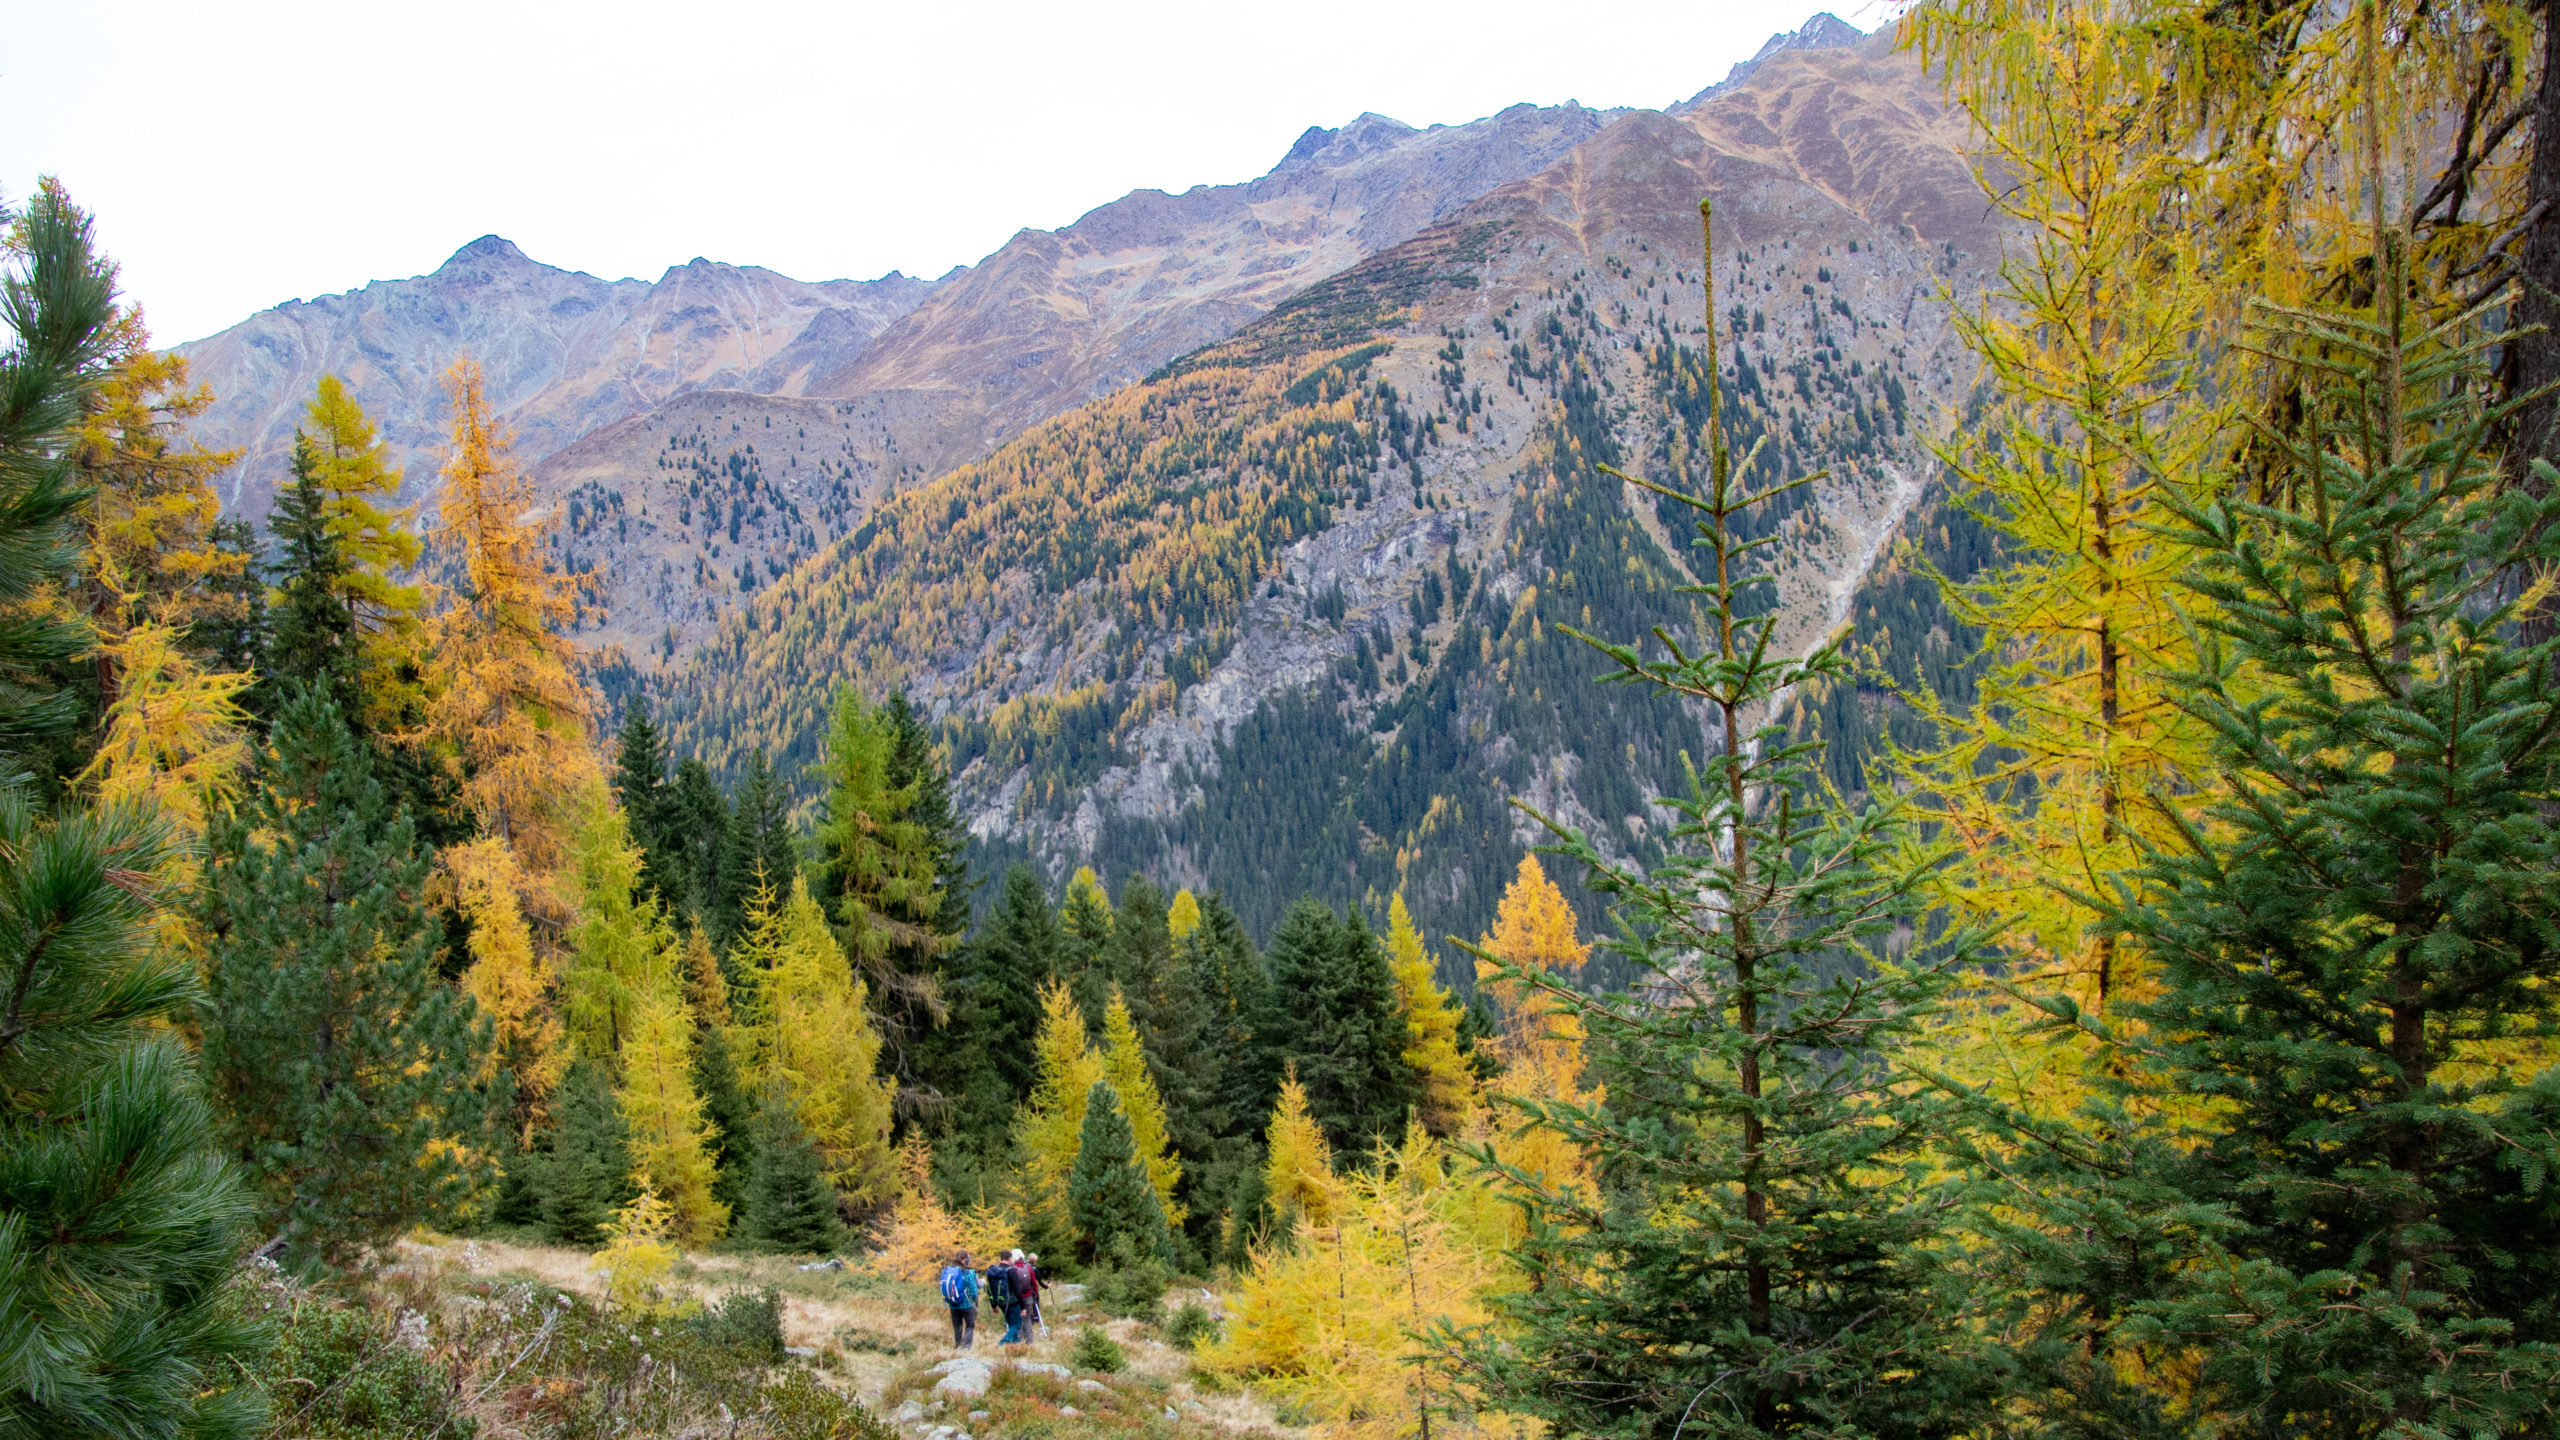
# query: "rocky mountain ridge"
1287,615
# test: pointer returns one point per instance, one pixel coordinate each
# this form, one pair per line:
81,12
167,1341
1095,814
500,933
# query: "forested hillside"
1315,574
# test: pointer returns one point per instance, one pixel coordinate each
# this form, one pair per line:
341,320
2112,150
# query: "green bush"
1191,1325
1095,1350
341,1372
748,1322
1132,1289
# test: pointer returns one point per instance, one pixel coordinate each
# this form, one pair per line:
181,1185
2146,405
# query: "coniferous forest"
2107,986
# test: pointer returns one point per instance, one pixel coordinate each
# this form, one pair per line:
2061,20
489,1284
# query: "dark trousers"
964,1326
1013,1314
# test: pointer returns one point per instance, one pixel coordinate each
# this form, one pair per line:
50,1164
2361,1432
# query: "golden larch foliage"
923,1232
505,698
175,736
670,1138
1329,1322
1540,1044
1051,1122
1183,915
507,977
823,1047
1430,1028
151,517
1297,1175
1124,1065
639,1255
353,470
619,944
705,988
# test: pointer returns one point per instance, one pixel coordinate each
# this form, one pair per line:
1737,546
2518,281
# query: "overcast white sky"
240,155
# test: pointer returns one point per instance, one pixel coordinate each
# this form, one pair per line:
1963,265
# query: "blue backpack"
959,1287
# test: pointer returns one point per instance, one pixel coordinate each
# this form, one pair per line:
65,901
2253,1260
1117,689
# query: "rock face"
564,352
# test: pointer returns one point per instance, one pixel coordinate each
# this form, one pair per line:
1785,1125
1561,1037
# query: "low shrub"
1095,1350
338,1371
1191,1326
748,1322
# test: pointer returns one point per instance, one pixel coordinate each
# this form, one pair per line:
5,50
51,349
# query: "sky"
241,155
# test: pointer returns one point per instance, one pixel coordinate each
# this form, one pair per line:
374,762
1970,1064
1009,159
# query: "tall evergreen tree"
350,1074
312,642
1084,945
1332,1012
758,834
1114,1210
981,1059
640,783
2354,1235
878,875
1762,1256
119,1218
694,832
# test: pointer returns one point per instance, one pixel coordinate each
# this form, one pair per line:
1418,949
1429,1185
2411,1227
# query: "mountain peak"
489,250
1825,31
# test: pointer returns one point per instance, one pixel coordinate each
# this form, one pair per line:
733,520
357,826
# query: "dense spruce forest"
2106,985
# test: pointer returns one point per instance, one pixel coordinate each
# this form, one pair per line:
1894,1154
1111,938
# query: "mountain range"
1229,535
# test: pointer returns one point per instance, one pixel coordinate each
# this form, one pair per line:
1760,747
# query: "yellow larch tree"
1183,915
1124,1065
352,469
508,979
620,948
639,1255
752,958
1331,1321
705,988
1297,1172
175,733
1430,1028
1064,1067
823,1047
505,698
670,1138
923,1232
1540,1044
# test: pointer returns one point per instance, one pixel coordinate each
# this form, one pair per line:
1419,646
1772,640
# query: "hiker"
1030,1268
960,1292
1004,1291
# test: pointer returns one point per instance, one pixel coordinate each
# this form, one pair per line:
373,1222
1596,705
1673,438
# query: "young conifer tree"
1446,1084
1759,1261
352,1078
790,1205
583,1174
1110,1203
671,1139
1298,1180
2355,1235
1065,1068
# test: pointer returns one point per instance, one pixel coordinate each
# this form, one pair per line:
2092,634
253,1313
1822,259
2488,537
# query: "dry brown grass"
878,1338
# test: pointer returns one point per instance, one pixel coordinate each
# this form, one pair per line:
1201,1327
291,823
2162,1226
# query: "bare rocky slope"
1287,615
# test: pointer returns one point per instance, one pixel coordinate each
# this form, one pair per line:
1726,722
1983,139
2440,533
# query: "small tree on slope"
1113,1208
1757,1256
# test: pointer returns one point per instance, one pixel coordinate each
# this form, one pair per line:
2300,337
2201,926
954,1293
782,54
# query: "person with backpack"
960,1292
1004,1291
1033,1324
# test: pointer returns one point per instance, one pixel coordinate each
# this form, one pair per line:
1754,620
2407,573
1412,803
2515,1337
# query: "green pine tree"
640,783
878,874
312,642
1085,953
758,830
790,1205
583,1174
1767,1255
120,1220
694,832
1110,1205
2356,1236
980,1060
1331,1011
725,1103
346,1069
